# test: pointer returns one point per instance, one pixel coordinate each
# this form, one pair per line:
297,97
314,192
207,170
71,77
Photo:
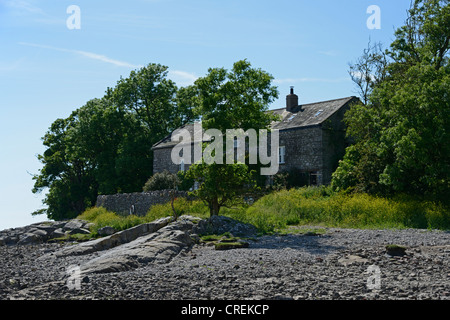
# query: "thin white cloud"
103,58
26,12
182,78
324,80
330,53
86,54
24,6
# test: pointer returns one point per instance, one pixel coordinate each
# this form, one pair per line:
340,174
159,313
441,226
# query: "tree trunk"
214,207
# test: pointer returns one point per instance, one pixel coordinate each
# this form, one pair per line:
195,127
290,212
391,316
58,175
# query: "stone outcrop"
220,225
156,242
43,231
116,239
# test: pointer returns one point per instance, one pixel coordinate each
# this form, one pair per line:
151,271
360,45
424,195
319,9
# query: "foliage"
401,135
235,99
185,183
194,208
319,205
101,217
162,180
280,210
149,95
292,178
221,184
104,147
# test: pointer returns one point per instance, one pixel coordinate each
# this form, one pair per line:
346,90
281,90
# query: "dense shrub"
320,206
101,217
293,178
161,181
309,205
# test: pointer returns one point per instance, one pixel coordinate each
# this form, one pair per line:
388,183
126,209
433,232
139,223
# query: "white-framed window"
281,154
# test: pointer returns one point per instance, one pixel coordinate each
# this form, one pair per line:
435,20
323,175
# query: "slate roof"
305,115
308,114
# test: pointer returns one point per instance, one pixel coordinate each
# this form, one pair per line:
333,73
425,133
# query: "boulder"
106,231
395,250
79,231
115,239
75,224
220,225
352,259
29,238
58,233
159,246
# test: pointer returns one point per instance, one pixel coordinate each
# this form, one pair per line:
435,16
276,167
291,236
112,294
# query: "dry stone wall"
137,203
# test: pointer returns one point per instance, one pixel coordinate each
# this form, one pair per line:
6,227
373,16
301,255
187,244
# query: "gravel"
345,264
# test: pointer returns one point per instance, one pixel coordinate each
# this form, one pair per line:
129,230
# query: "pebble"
272,267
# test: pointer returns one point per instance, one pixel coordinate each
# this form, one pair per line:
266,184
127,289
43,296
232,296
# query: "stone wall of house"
334,142
303,146
162,161
303,150
315,149
137,203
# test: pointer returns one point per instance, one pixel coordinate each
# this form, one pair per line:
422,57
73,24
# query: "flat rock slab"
156,242
41,232
352,259
115,239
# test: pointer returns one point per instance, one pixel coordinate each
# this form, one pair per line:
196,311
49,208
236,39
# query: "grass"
101,217
279,211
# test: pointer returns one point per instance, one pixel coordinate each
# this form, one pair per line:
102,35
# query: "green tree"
235,99
68,178
98,149
401,135
104,147
151,97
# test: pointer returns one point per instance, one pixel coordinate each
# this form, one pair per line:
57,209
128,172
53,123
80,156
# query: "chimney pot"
291,101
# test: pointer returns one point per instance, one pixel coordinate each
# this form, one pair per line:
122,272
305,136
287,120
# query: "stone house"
311,139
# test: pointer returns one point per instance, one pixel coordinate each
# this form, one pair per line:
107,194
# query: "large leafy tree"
154,99
235,99
98,149
104,147
402,134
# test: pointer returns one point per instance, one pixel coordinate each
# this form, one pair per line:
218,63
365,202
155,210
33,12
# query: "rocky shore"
167,260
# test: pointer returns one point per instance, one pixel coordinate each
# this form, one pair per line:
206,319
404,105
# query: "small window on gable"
281,154
291,118
318,113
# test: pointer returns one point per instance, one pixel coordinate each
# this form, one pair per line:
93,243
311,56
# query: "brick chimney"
291,101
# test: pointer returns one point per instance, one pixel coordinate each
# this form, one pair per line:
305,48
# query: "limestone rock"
156,247
221,225
352,259
115,239
106,231
395,250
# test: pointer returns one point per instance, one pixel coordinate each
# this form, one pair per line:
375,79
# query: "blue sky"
48,70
